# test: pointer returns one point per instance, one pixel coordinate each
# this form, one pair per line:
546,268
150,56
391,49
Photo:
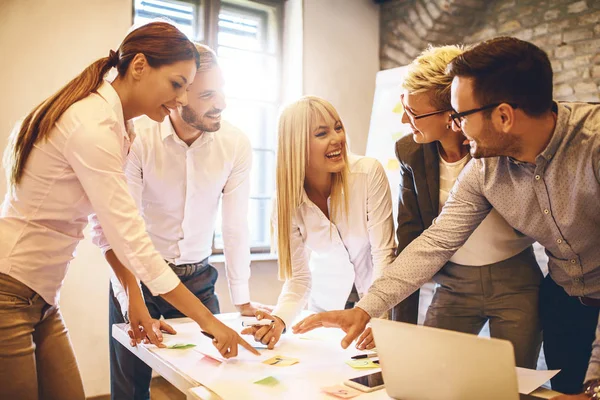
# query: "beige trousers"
36,356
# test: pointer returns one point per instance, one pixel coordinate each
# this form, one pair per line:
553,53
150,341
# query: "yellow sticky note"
398,108
392,165
281,361
363,363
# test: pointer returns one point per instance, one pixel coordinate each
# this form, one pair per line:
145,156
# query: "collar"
304,198
109,94
560,131
167,129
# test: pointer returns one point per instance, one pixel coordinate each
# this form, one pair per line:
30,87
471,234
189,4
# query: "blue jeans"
130,376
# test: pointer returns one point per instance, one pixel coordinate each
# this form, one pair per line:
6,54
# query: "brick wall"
568,30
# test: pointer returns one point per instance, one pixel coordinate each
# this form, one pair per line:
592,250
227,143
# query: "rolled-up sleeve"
236,235
95,152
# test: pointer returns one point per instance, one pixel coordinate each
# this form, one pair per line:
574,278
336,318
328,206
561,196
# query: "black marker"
208,335
358,357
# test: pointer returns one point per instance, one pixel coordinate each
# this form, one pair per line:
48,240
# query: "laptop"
423,363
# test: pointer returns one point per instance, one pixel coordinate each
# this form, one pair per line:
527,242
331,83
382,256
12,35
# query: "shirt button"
537,177
573,261
559,241
578,280
546,211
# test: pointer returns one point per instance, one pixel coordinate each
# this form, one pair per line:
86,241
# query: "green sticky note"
268,381
181,346
363,363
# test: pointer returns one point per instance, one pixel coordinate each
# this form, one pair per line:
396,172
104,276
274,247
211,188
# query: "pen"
262,322
208,335
359,356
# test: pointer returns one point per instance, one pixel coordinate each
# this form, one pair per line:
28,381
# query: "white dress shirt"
177,189
328,257
78,170
494,240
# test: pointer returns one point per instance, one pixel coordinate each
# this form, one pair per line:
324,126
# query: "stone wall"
568,30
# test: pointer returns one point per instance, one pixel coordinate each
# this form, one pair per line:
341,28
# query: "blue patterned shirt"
555,201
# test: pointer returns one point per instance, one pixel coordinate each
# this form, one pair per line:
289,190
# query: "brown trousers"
36,356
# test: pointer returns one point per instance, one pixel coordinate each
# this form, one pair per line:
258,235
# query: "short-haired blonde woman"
494,277
333,218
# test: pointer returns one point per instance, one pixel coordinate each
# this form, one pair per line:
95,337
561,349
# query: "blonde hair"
427,73
296,123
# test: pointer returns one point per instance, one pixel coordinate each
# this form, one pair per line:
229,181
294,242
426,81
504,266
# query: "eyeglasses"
458,117
415,116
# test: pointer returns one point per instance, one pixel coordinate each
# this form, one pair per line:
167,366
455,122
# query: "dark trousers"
407,310
352,298
569,331
130,376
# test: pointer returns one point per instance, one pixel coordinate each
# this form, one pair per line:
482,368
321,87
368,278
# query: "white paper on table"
322,363
531,379
187,333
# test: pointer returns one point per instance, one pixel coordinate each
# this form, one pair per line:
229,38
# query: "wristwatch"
592,389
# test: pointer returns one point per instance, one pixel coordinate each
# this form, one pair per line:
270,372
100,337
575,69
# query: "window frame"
207,19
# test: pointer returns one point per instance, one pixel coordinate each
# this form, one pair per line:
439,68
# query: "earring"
447,126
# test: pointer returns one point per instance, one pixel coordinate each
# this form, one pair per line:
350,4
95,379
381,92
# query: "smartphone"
367,383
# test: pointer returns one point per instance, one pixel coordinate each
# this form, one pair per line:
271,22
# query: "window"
246,36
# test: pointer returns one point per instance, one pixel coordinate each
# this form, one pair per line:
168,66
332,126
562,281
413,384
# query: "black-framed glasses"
419,116
458,117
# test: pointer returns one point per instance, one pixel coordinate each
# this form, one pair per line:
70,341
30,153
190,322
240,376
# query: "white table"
322,363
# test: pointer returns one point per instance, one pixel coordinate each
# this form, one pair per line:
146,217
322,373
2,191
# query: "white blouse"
77,171
328,257
493,240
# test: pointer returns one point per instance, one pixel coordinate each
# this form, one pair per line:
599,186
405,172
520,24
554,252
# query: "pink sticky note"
343,392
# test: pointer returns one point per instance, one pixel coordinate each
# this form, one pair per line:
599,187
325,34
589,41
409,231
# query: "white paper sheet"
530,379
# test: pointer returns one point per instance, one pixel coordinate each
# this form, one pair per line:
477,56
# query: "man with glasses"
494,277
538,164
178,171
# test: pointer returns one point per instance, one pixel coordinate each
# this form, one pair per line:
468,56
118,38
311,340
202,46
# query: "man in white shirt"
177,171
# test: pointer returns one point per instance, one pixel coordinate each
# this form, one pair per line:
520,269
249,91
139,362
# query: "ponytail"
39,121
160,42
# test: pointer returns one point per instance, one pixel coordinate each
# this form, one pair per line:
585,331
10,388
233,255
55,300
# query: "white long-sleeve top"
493,240
77,171
328,257
177,189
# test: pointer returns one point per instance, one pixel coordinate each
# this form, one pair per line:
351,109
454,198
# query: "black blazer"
419,196
418,205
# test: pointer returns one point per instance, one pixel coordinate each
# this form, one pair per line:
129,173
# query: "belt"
186,270
588,301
